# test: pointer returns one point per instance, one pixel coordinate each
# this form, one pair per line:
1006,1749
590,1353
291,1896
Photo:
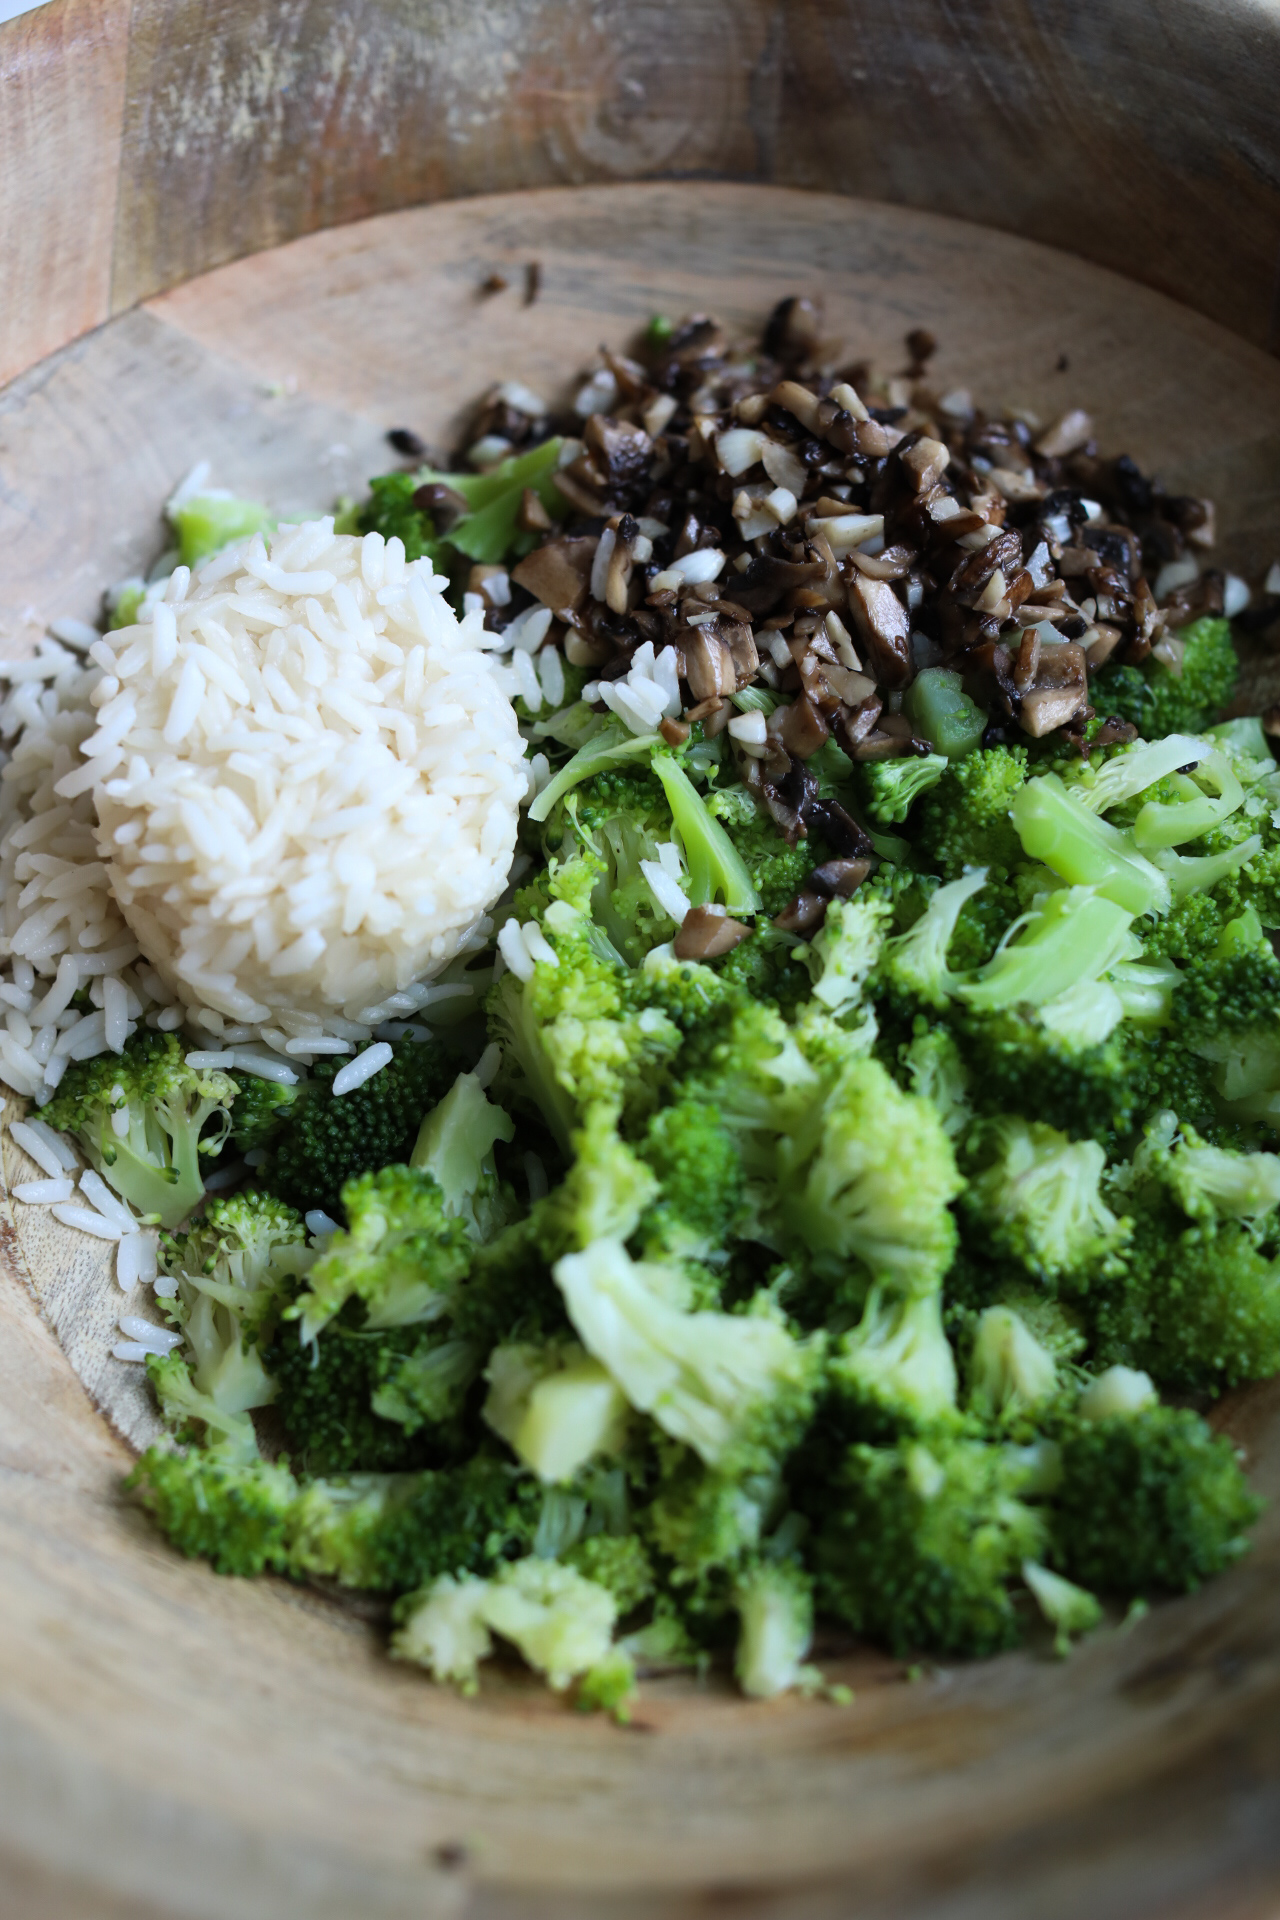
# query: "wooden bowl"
173,1743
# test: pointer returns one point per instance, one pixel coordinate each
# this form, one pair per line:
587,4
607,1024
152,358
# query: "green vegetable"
173,1117
210,521
943,714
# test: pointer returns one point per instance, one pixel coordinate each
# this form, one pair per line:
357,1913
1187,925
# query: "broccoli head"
1149,1501
327,1141
1157,700
145,1120
964,820
402,1254
917,1544
232,1512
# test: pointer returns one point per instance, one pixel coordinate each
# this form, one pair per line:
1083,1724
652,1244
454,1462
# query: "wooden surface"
175,1743
143,141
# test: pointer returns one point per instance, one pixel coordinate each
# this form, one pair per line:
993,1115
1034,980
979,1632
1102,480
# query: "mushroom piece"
804,728
443,504
558,573
839,878
804,914
708,664
853,727
1066,435
532,516
884,626
622,450
926,462
1060,690
705,934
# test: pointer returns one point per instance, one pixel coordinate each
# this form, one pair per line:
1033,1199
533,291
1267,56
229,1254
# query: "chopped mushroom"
705,933
884,626
558,573
804,914
1059,692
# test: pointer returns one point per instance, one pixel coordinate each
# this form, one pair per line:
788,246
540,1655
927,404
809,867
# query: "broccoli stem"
608,748
1054,826
716,869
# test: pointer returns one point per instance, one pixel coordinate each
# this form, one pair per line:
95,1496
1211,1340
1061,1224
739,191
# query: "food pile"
827,1172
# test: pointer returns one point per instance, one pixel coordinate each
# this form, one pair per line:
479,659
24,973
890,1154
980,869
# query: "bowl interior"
215,1720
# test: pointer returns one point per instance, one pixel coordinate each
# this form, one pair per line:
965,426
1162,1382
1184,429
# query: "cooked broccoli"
716,869
774,1602
209,521
145,1120
425,1385
843,954
1068,1609
943,714
869,1175
1056,827
618,1562
895,1371
402,1254
700,1179
1009,1370
1157,699
325,1390
329,1140
964,821
234,1513
1037,1195
917,1544
889,788
728,1385
1149,1501
914,963
230,1273
1075,935
455,1145
561,1622
555,1406
260,1111
936,1072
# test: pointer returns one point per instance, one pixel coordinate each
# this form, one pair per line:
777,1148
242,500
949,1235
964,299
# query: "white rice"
272,812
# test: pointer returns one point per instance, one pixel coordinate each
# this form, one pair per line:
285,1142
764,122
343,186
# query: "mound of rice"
282,802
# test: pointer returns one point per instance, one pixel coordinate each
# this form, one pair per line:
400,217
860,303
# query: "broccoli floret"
425,1385
1037,1195
192,1415
936,1072
622,818
455,1145
869,1176
778,872
174,1115
207,522
889,788
1196,1307
1149,1501
1010,1372
561,1622
233,1513
943,714
402,1254
325,1392
1157,699
329,1140
230,1273
700,1176
914,964
731,1386
843,955
895,1371
1208,1183
917,1544
1068,1609
573,1037
393,1532
774,1602
617,1562
964,821
555,1406
260,1111
705,1525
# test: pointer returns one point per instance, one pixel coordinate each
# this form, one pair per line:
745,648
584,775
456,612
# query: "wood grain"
61,98
1143,138
175,1743
264,124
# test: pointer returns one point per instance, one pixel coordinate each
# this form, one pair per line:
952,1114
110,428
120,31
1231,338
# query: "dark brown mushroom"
804,914
622,450
442,503
559,572
1059,692
532,516
838,879
884,627
705,934
804,728
708,664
